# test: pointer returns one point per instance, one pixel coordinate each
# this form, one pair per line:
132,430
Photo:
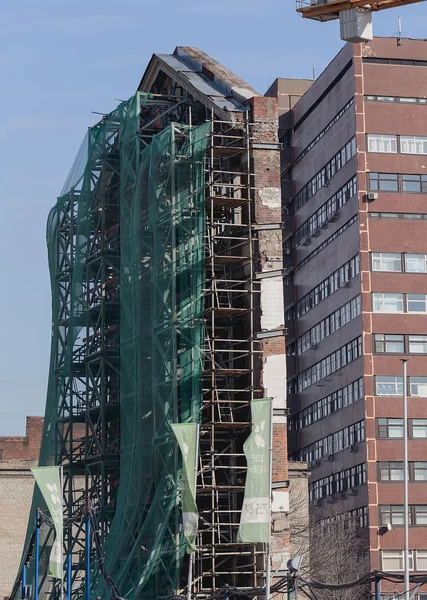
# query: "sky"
61,60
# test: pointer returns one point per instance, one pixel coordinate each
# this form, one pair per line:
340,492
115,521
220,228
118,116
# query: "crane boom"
328,10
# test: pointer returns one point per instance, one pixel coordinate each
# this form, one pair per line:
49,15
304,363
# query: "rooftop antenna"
314,73
399,30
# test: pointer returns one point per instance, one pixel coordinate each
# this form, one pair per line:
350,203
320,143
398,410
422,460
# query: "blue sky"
60,60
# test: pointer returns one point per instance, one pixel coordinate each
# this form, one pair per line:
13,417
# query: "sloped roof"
205,78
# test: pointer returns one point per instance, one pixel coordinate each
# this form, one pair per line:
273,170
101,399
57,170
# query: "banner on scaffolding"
256,511
49,481
187,435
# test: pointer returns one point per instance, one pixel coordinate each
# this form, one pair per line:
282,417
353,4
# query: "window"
322,329
390,428
325,213
413,183
415,263
382,143
393,515
395,182
398,99
338,482
388,385
383,182
325,130
391,471
324,175
420,471
320,409
387,302
327,287
394,262
407,62
330,364
412,144
418,386
392,560
416,303
420,515
421,560
359,516
419,428
417,344
326,243
387,343
387,261
340,440
383,215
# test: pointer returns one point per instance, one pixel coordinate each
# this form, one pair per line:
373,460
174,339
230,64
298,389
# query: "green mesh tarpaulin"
159,189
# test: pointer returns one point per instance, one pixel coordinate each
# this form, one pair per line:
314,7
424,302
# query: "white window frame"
419,387
422,469
417,341
420,261
413,144
394,380
421,556
382,143
423,522
381,299
417,427
382,260
396,555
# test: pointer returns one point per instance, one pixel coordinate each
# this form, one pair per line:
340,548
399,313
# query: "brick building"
353,186
17,455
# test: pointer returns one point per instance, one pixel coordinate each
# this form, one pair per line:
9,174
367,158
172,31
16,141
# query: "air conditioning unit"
329,458
330,499
344,284
315,233
318,502
333,217
352,448
371,196
287,251
324,224
313,464
305,241
313,346
352,492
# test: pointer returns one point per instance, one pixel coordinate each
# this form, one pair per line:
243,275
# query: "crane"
327,10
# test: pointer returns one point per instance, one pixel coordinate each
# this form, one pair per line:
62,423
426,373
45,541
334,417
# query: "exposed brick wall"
269,313
23,448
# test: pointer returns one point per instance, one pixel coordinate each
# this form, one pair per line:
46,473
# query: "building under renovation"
165,254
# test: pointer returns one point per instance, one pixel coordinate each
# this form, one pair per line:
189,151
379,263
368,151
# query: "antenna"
314,73
399,30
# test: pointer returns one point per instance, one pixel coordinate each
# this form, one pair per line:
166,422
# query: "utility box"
356,25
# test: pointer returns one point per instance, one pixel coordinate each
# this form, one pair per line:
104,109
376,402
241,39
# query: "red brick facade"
23,448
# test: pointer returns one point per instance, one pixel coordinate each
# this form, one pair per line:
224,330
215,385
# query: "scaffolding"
230,380
153,253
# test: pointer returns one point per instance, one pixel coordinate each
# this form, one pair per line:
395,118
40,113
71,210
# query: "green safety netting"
160,191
